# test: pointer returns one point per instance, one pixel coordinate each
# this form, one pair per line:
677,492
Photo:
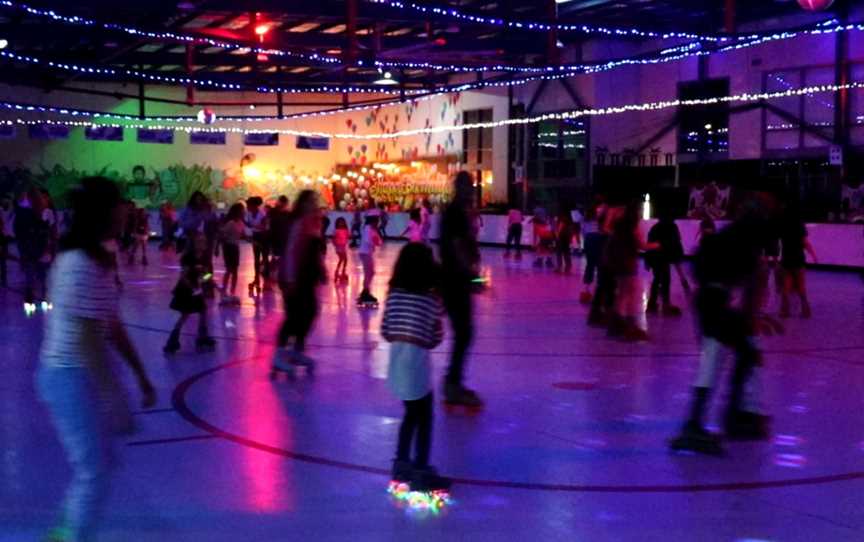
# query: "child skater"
595,237
544,239
665,232
230,235
414,229
341,235
369,240
622,259
413,325
795,246
140,235
189,295
564,233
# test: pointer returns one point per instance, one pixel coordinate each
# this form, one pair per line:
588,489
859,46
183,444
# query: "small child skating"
795,247
413,325
514,232
230,234
414,229
341,236
564,234
140,235
189,296
369,240
544,240
670,252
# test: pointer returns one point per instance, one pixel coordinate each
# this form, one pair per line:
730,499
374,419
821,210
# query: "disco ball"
206,116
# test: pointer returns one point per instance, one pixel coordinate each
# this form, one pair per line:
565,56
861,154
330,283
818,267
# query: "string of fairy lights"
683,51
171,123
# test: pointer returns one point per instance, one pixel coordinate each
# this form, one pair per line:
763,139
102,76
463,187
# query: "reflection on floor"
572,445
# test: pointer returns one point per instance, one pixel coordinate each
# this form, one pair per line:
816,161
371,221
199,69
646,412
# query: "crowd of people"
289,243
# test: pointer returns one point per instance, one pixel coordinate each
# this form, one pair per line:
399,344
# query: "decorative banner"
7,131
313,143
150,135
48,131
207,138
261,139
103,133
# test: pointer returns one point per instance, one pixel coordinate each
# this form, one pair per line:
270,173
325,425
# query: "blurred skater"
301,270
341,234
460,257
256,221
84,325
233,231
565,232
514,232
795,247
728,261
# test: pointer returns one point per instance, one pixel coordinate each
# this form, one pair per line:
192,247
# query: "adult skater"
301,270
74,375
460,257
728,261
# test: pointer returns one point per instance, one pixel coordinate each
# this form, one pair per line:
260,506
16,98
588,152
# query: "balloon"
363,193
815,5
343,204
347,197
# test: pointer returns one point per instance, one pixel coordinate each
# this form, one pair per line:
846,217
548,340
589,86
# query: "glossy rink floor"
572,445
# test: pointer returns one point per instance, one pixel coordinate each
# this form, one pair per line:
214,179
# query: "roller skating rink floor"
572,443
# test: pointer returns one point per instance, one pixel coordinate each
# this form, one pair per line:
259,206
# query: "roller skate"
694,438
427,479
518,257
456,395
507,255
585,297
367,301
598,319
634,333
402,471
743,425
651,308
549,263
204,344
173,344
283,362
538,263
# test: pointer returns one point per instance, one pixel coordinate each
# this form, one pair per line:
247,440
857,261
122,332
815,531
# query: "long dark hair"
416,270
93,205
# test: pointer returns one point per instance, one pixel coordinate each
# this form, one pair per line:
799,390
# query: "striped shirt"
85,299
413,318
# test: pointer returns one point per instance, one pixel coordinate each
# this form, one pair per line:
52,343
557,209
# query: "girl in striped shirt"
412,324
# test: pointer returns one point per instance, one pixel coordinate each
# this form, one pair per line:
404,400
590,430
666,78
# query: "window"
557,162
784,116
477,151
703,128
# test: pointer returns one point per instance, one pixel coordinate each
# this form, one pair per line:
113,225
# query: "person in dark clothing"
460,257
325,225
726,261
793,238
301,270
279,221
565,230
33,236
666,233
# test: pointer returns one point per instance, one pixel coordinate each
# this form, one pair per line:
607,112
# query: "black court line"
178,398
170,440
256,340
154,411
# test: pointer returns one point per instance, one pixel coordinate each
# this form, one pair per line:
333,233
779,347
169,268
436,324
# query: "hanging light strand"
541,26
742,41
568,115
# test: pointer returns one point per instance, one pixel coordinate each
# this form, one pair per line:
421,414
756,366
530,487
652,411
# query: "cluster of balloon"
815,5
